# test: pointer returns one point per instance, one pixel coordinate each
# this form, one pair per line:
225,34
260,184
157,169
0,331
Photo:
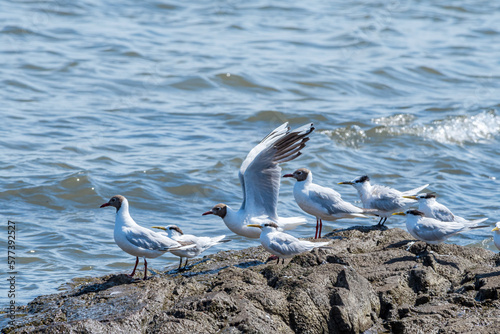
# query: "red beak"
105,204
207,213
288,175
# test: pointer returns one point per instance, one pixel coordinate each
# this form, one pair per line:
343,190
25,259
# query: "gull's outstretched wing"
260,173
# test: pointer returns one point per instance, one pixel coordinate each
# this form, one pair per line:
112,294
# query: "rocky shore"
371,281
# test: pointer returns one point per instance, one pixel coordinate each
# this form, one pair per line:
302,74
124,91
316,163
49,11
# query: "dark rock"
372,280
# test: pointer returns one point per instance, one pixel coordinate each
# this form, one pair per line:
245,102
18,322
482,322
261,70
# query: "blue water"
161,101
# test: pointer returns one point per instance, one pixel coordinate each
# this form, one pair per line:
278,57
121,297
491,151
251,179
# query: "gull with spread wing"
137,240
202,243
431,208
284,245
381,198
260,176
321,202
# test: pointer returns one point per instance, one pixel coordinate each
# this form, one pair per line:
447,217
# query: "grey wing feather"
332,201
150,240
387,199
414,191
260,173
285,244
437,232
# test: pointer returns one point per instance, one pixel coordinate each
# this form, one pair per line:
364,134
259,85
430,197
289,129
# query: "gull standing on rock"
284,245
321,202
202,243
260,177
431,230
428,204
137,240
381,198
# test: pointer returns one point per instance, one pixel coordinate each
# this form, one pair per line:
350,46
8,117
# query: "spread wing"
260,173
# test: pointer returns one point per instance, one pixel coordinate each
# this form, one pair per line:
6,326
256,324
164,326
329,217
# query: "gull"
137,240
431,208
284,245
384,199
496,235
260,181
321,202
202,243
431,230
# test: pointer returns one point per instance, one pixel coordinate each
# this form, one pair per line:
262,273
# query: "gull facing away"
431,230
137,240
496,235
428,204
284,245
201,243
260,177
381,198
321,202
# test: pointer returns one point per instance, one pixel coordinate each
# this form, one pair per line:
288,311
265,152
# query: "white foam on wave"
453,130
350,136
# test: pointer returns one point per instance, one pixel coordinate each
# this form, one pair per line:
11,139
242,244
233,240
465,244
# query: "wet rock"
372,280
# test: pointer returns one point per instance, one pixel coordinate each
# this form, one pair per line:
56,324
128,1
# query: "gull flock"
257,217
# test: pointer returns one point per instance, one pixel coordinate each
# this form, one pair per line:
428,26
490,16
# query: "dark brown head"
300,174
115,201
218,210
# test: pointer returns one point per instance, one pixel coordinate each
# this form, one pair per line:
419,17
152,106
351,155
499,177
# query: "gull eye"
217,209
113,199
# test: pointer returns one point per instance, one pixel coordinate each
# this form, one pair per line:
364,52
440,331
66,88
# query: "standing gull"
202,243
321,202
284,245
431,208
260,181
137,240
384,199
431,230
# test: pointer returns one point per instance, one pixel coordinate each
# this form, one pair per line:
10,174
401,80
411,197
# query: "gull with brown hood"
260,176
137,240
321,202
383,199
202,243
284,245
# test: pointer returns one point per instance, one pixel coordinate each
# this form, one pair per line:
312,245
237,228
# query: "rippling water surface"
161,101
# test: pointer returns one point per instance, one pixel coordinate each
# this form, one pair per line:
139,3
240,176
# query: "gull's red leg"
317,225
320,227
136,263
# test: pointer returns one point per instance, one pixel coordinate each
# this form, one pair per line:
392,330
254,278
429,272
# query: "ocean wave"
459,130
